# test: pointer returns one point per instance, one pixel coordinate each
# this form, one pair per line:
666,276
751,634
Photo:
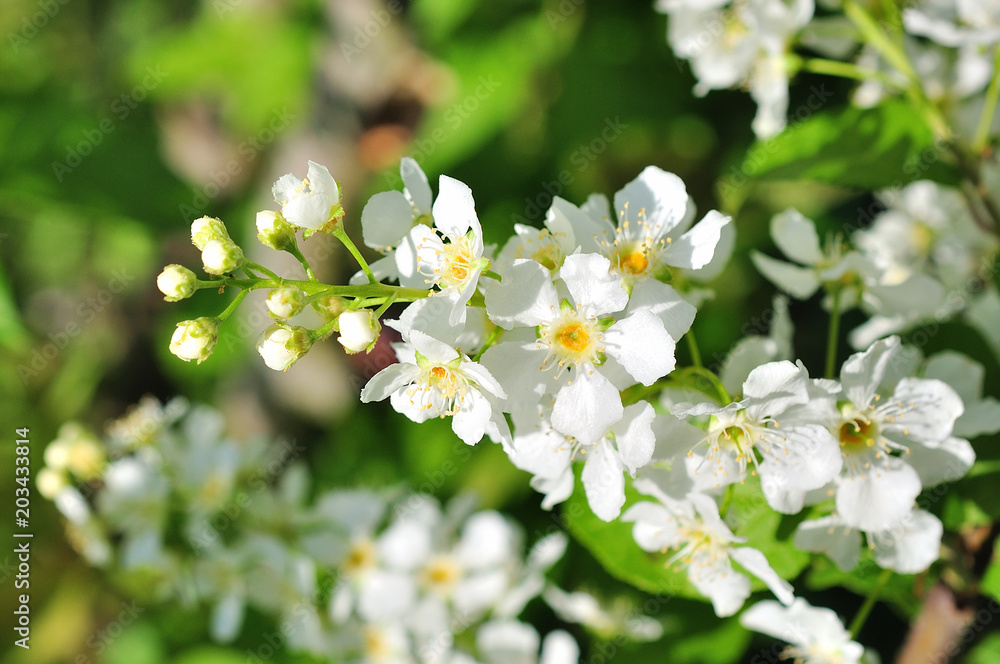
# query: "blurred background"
121,121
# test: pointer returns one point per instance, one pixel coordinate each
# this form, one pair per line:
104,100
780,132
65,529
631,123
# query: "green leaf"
612,544
987,652
991,579
889,145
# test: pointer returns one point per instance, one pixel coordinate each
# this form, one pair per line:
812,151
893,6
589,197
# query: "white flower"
176,282
358,330
816,635
572,340
310,202
282,345
195,339
221,257
797,454
512,642
432,379
706,547
627,445
796,236
909,546
744,44
425,260
960,23
881,439
388,217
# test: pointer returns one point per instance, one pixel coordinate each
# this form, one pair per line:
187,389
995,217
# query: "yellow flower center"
360,557
633,263
574,337
458,262
858,432
441,573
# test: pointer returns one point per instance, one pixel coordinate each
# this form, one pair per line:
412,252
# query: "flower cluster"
205,519
560,346
944,48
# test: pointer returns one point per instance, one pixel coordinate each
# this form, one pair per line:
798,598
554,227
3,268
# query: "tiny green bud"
359,330
221,256
195,339
176,282
330,307
282,345
206,229
285,302
274,232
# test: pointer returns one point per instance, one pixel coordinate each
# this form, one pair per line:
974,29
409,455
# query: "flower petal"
587,407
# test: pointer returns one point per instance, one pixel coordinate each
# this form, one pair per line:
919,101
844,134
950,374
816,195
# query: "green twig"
232,305
693,348
490,340
989,108
261,268
341,234
294,251
866,608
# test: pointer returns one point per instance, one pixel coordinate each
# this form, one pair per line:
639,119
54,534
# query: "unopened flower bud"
285,302
310,202
176,282
221,256
358,330
274,232
206,229
282,345
195,339
330,307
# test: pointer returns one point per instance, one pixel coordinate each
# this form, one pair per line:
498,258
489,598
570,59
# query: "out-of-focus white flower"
76,450
432,379
282,345
743,44
706,547
358,330
221,257
310,202
814,266
195,339
176,282
815,635
513,642
956,24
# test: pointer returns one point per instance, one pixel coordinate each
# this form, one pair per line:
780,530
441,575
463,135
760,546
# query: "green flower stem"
232,305
833,334
897,57
371,294
843,70
294,251
490,340
341,234
866,608
680,378
989,107
693,348
385,305
260,268
325,331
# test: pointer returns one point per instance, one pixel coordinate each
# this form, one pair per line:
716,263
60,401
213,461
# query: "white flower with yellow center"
432,379
796,455
425,260
705,547
573,338
880,477
815,635
388,217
